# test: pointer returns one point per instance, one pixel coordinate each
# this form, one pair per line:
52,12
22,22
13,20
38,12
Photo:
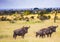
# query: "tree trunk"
55,17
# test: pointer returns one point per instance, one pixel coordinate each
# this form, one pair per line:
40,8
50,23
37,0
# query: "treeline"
29,11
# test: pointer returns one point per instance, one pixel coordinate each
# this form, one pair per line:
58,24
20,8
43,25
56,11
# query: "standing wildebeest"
41,33
46,31
50,30
20,32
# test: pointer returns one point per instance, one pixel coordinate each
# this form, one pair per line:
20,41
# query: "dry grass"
6,31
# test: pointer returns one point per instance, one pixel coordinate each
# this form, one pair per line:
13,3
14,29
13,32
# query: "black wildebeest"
46,31
20,32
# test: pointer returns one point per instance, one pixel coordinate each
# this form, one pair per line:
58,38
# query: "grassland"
6,31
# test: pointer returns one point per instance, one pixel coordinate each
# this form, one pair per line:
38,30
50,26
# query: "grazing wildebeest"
20,32
46,31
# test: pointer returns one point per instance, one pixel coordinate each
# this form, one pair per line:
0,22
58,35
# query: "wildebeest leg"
47,35
23,36
44,35
39,35
50,34
36,35
14,36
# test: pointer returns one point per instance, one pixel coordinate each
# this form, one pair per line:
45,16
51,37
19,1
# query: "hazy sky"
7,4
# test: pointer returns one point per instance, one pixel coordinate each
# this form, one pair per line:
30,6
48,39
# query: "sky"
20,4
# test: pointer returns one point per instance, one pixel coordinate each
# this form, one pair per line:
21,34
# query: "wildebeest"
50,30
46,31
41,33
20,32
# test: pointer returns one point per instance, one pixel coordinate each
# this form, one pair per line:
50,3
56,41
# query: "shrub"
26,18
43,17
3,18
49,17
32,17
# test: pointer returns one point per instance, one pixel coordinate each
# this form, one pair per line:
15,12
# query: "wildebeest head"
26,29
53,28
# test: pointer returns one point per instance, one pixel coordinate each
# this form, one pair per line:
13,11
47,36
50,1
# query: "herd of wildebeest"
40,33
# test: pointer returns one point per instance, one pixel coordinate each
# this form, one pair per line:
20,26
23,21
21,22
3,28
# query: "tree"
55,16
26,12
